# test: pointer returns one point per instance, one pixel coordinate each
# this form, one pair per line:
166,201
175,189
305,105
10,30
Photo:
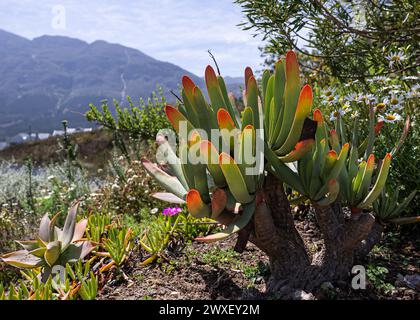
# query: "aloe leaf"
246,155
44,228
282,171
300,150
188,86
213,89
227,127
333,190
206,116
322,130
168,197
22,259
356,182
247,117
247,75
334,140
200,181
330,160
302,111
291,95
79,230
235,226
379,184
76,251
366,179
176,118
318,159
190,110
39,252
252,100
264,82
277,107
335,171
268,97
168,182
29,244
52,252
218,202
52,227
234,178
172,160
211,158
196,207
69,227
303,168
227,101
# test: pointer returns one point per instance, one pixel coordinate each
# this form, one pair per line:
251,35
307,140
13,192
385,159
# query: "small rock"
259,279
302,295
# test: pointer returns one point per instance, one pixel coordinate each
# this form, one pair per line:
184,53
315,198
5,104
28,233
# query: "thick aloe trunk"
293,266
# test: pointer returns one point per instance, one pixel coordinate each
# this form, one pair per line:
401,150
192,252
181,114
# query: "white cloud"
178,31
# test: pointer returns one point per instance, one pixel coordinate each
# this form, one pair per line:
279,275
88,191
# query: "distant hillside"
51,78
94,150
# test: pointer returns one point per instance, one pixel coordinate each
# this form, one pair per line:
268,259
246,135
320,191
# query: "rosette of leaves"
53,246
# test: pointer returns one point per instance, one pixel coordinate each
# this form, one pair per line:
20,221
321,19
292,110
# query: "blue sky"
178,31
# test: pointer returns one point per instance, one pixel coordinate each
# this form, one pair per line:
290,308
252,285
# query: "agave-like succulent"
54,246
220,187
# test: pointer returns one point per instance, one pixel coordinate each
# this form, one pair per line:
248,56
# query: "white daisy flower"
353,97
330,91
338,112
366,98
395,58
396,100
414,92
390,117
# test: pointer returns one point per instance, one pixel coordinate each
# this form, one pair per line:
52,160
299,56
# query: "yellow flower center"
390,117
336,113
394,101
395,58
330,98
328,93
380,105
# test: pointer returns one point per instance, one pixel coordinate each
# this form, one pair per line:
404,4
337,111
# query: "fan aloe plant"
53,246
272,142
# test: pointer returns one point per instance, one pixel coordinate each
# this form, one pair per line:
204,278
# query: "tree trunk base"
294,269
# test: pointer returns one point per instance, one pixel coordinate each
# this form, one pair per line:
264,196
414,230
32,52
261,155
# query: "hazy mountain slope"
45,80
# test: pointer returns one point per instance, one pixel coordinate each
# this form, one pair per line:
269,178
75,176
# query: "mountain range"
51,78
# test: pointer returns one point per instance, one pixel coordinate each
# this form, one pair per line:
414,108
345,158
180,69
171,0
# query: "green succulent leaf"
235,226
170,183
52,252
22,259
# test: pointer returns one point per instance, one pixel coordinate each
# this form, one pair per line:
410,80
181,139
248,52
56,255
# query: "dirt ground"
214,271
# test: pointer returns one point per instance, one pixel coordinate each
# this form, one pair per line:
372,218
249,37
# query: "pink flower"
171,211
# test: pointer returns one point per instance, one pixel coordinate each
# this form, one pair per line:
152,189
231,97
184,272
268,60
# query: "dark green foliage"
351,38
138,122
